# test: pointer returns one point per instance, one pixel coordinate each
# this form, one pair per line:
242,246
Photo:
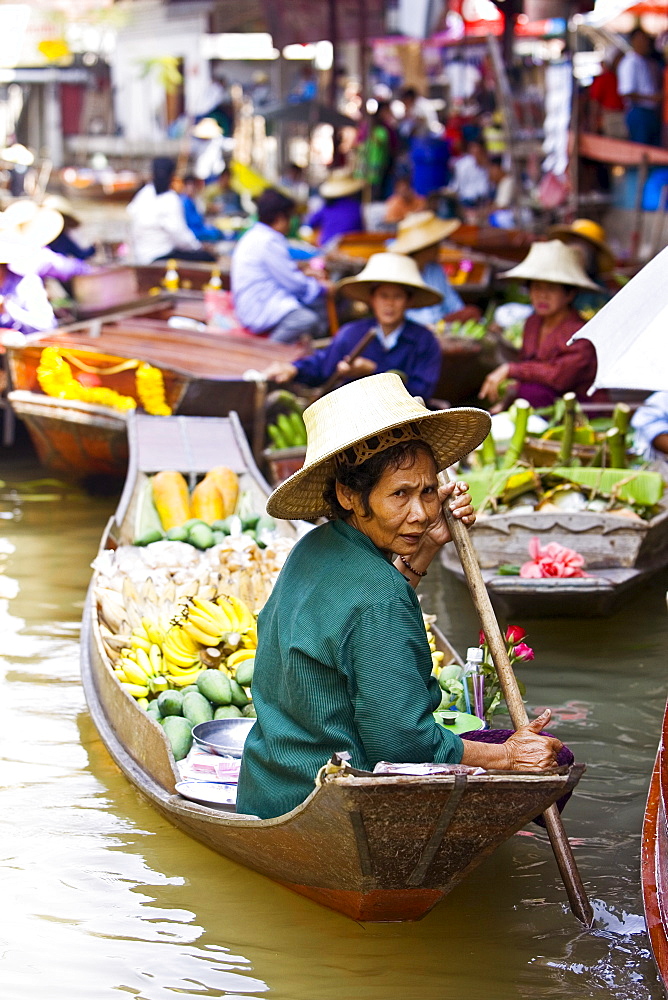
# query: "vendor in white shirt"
639,84
272,296
471,182
157,220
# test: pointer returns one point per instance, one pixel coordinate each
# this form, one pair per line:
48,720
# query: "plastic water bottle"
474,657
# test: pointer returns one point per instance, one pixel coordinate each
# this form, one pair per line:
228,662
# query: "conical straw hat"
26,222
592,232
421,230
552,261
363,410
340,184
390,269
62,205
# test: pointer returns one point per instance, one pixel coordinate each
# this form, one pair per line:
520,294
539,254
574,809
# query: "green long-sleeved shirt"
343,663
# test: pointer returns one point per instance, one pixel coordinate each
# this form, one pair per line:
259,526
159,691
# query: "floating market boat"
203,372
373,847
654,857
621,550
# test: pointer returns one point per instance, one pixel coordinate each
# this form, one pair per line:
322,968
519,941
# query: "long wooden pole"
575,890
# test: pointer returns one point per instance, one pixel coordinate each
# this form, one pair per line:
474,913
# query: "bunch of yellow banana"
139,666
181,657
436,656
225,621
234,659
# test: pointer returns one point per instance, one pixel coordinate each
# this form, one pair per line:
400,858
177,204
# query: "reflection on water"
102,897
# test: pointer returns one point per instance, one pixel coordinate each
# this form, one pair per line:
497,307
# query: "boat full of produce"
168,640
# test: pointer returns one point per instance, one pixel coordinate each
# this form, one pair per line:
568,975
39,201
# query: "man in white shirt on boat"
639,84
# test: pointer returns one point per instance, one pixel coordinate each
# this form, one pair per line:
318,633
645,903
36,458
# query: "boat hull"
654,858
620,555
378,849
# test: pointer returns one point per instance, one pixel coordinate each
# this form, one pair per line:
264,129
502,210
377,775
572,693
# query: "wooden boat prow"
374,847
654,857
620,553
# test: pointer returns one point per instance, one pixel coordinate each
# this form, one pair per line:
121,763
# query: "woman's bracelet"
408,566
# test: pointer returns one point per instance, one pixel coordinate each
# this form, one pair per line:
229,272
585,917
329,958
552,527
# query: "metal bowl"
225,737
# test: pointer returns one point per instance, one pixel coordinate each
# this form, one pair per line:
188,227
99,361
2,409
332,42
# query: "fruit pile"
288,431
208,647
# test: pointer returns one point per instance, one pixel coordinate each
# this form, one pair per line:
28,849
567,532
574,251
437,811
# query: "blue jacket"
196,224
416,354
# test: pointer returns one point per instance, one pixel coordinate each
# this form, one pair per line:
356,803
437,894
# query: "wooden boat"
372,847
620,553
654,857
203,373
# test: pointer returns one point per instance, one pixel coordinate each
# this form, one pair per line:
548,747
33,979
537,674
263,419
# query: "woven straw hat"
24,221
62,205
420,230
340,184
390,269
552,261
207,128
592,232
362,410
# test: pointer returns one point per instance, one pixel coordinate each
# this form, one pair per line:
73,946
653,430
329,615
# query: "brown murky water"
102,898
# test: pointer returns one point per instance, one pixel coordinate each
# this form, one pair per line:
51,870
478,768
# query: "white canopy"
630,333
606,10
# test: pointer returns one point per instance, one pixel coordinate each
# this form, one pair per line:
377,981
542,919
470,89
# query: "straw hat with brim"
390,269
207,128
587,229
552,261
25,222
421,230
372,414
18,256
340,187
62,205
17,154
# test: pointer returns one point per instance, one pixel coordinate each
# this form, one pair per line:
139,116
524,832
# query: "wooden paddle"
349,358
575,890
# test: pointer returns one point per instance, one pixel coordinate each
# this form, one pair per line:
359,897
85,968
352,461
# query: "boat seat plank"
199,444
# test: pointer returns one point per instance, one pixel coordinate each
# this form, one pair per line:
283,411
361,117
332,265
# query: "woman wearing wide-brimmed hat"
547,366
419,236
341,211
64,243
390,283
343,662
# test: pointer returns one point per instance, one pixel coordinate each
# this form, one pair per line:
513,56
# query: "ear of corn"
170,493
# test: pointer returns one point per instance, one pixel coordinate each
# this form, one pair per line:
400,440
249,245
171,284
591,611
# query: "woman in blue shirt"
389,284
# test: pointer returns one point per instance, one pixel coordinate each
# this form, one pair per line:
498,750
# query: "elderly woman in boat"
384,341
343,662
548,366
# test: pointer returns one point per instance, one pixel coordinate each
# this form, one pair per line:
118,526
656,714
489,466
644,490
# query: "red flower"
481,638
552,560
523,652
514,634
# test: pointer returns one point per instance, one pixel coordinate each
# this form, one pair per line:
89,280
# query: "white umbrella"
630,333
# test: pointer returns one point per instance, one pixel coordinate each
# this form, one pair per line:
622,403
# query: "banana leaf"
147,518
636,487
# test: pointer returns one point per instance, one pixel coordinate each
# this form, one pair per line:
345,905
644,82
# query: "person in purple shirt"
390,283
342,209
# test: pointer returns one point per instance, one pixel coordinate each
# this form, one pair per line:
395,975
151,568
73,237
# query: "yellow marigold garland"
151,390
55,378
